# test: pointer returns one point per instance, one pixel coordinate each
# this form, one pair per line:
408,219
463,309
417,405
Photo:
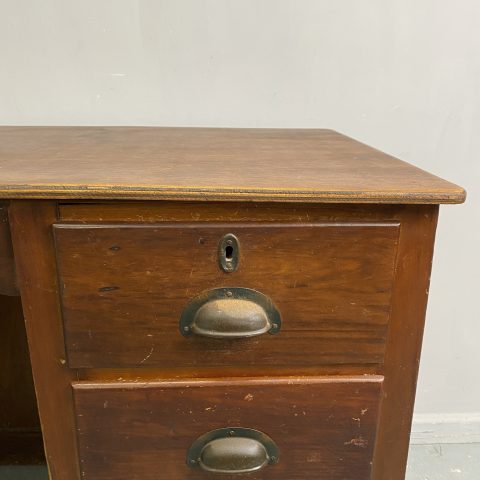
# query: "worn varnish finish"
324,427
146,374
20,437
35,261
8,281
339,235
413,247
166,211
404,344
207,164
124,288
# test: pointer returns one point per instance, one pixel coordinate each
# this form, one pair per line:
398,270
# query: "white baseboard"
445,428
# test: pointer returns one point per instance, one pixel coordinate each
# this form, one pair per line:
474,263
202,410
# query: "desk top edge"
208,164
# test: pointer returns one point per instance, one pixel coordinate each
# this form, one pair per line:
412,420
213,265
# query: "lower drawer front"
319,428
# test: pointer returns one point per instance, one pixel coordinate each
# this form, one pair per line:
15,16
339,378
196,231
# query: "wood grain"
207,164
409,302
324,427
20,436
405,297
8,280
148,374
167,211
35,262
124,287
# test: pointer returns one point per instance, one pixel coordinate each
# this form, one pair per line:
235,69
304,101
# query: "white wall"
402,75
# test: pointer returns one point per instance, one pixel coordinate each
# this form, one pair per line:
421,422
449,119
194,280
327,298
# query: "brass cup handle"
232,451
230,313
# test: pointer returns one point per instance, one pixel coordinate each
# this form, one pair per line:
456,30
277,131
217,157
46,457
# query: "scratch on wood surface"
108,289
358,442
148,356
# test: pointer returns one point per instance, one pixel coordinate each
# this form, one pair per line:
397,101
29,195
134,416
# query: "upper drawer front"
322,428
124,288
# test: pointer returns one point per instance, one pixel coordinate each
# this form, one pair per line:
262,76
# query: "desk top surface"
208,164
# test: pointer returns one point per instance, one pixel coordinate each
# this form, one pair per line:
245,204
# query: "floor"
426,462
444,462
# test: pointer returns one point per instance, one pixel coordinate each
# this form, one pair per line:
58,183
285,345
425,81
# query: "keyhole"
228,253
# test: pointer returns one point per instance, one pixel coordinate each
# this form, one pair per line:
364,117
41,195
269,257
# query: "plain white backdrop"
401,75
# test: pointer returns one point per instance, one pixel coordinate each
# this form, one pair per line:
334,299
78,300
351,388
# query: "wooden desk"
200,301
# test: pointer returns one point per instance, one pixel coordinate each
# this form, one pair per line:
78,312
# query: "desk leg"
36,270
404,342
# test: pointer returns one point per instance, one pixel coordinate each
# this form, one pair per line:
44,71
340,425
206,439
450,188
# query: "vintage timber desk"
211,303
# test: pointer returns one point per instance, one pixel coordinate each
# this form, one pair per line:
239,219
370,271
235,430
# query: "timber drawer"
297,294
319,428
218,303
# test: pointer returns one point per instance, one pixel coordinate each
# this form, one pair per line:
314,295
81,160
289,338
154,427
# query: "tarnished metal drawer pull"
230,313
232,451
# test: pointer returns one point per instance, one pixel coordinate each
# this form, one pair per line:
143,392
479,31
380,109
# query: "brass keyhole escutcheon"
229,253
